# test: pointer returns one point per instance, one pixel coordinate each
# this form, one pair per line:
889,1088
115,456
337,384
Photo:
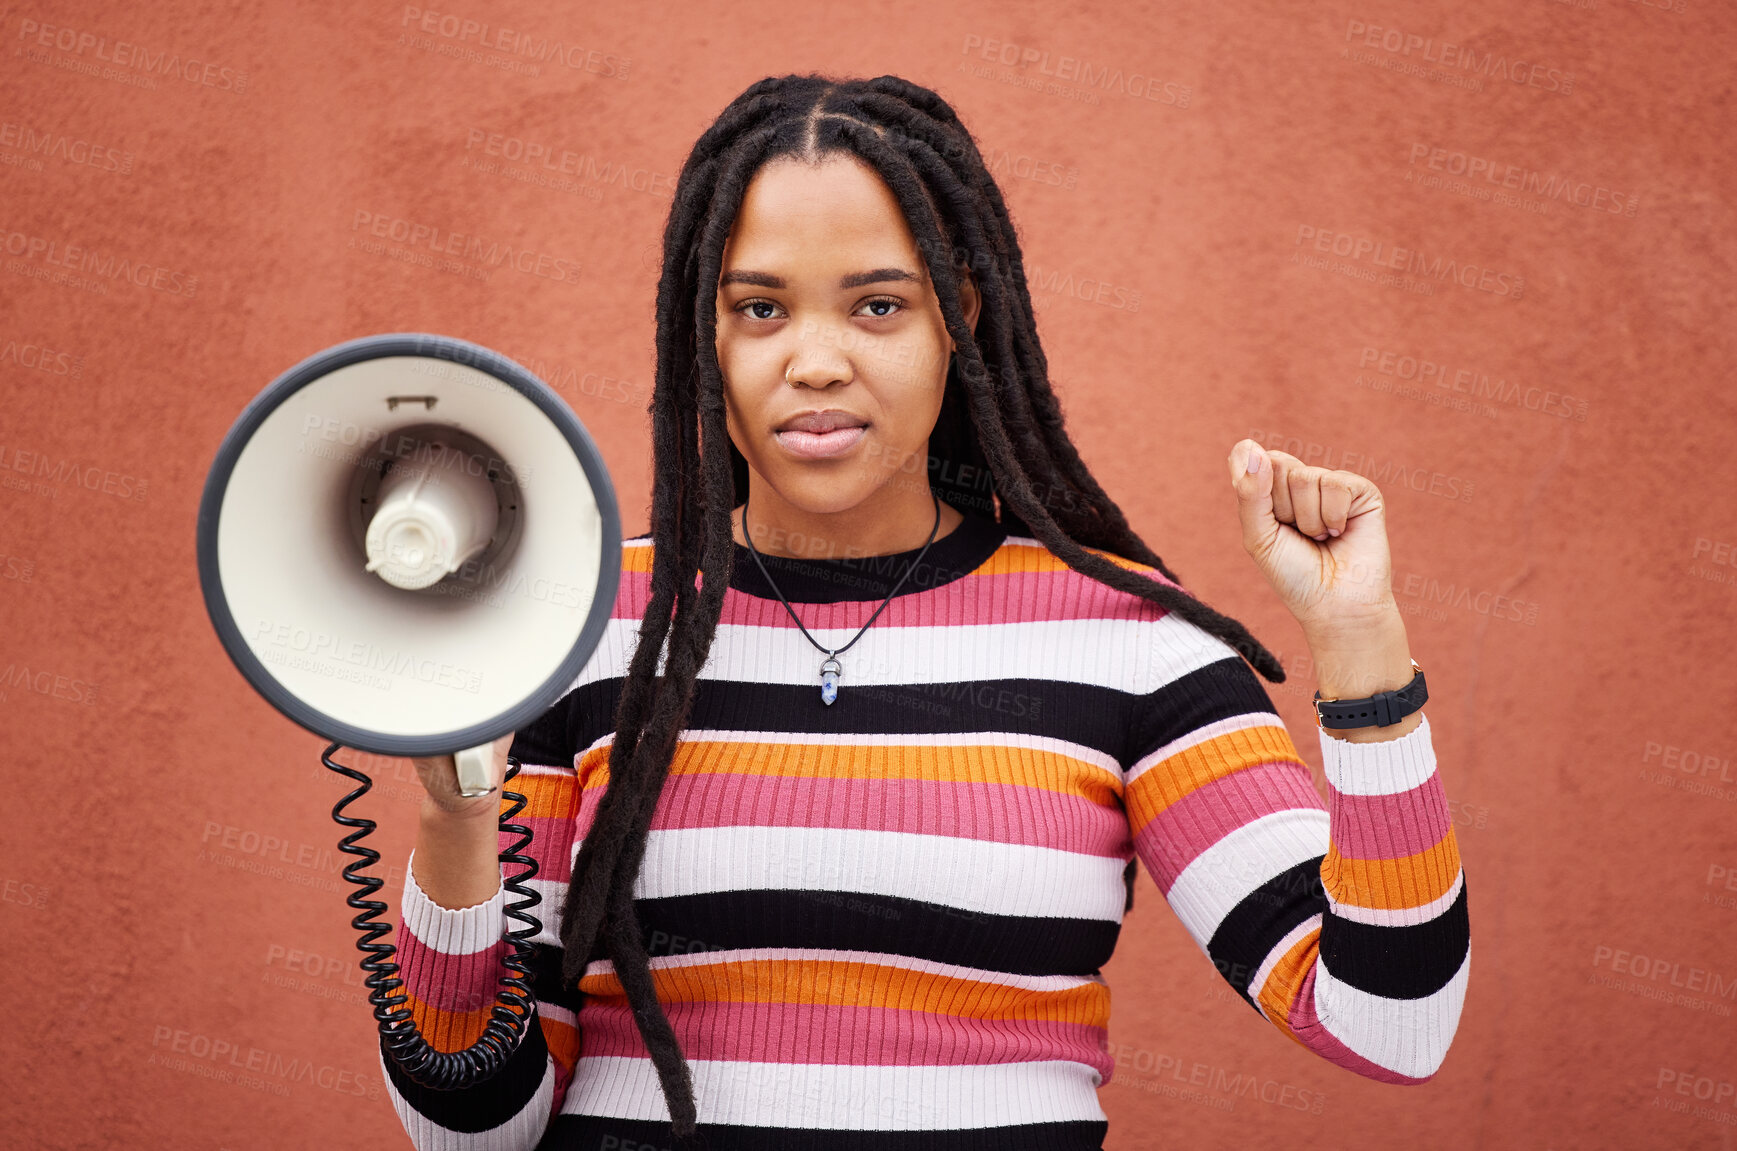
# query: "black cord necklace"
830,668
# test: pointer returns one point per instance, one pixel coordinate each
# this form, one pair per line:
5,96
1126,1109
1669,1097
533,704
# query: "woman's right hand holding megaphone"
457,857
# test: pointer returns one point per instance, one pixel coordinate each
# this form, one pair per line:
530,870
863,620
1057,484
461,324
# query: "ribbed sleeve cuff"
1387,767
462,931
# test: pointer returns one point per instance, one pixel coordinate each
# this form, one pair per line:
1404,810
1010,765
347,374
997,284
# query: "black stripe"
1085,714
598,1133
546,986
489,1103
1262,918
1190,702
851,921
870,578
1398,962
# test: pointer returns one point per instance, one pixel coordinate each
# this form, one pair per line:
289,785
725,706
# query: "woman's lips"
819,445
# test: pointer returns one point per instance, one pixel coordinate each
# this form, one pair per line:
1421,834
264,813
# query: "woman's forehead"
820,216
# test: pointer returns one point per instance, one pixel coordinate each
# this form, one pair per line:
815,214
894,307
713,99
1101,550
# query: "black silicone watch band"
1383,709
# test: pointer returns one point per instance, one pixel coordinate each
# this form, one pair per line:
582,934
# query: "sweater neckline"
952,556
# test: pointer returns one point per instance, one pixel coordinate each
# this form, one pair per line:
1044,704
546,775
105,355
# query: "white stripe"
1399,916
1259,983
1136,656
1386,767
524,1129
1049,984
971,874
1224,874
452,931
1200,735
844,1097
1410,1036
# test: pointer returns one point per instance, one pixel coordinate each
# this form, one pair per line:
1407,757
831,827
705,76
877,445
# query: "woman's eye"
889,305
752,307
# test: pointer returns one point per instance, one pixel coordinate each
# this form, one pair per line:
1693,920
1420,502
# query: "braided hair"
998,418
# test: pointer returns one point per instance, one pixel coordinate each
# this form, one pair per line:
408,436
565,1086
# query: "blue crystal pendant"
829,673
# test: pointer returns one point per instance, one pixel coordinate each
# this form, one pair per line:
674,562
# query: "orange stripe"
1023,767
562,1039
447,1030
1173,779
862,984
1285,980
549,796
1410,881
1013,559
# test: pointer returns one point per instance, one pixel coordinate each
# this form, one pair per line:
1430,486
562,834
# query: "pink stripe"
551,838
858,1036
449,982
1177,835
1390,826
1324,1043
1016,597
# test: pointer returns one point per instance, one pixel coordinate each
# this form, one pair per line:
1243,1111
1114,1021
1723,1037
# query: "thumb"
1254,495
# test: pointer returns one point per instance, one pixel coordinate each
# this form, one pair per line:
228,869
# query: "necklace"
830,668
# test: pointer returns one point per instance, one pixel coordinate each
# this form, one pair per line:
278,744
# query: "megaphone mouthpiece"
424,531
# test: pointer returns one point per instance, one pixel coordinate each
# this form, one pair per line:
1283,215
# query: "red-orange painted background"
1551,422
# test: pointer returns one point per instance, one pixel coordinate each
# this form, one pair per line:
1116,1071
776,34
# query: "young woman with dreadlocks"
833,829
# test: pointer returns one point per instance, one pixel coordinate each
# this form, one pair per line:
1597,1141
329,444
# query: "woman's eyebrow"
850,280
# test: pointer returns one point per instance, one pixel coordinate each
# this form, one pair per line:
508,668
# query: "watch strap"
1383,709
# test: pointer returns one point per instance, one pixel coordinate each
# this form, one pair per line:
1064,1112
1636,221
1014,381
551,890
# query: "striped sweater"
880,924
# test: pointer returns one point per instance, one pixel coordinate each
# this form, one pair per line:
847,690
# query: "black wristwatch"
1383,709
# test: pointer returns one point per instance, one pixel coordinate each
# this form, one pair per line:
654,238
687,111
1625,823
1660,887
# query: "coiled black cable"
440,1070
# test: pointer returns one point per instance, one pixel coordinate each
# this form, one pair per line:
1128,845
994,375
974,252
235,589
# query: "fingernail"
1254,462
1332,531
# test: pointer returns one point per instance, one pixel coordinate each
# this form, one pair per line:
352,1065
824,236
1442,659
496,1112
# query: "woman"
933,696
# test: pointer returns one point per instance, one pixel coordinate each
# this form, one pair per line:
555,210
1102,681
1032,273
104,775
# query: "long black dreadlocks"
998,414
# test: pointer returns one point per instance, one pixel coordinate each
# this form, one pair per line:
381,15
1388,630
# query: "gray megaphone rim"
457,351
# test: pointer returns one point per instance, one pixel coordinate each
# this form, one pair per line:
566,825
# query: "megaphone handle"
474,767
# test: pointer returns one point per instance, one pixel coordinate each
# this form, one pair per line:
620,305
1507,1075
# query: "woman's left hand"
1320,538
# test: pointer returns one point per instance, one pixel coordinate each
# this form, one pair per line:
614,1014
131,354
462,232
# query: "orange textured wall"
1204,192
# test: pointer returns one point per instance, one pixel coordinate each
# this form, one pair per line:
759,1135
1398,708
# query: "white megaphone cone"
410,545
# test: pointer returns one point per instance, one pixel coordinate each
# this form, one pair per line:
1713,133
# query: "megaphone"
410,545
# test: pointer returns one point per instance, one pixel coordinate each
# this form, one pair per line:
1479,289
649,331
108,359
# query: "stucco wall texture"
1207,195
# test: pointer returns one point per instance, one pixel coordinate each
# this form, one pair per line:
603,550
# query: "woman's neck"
897,518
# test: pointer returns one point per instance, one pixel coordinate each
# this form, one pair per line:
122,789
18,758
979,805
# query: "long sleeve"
451,962
1343,922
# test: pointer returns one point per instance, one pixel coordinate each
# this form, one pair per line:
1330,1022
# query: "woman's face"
826,311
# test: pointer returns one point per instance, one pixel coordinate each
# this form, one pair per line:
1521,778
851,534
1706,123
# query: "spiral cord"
512,1011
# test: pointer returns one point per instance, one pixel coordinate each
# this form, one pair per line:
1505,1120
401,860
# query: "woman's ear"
970,299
